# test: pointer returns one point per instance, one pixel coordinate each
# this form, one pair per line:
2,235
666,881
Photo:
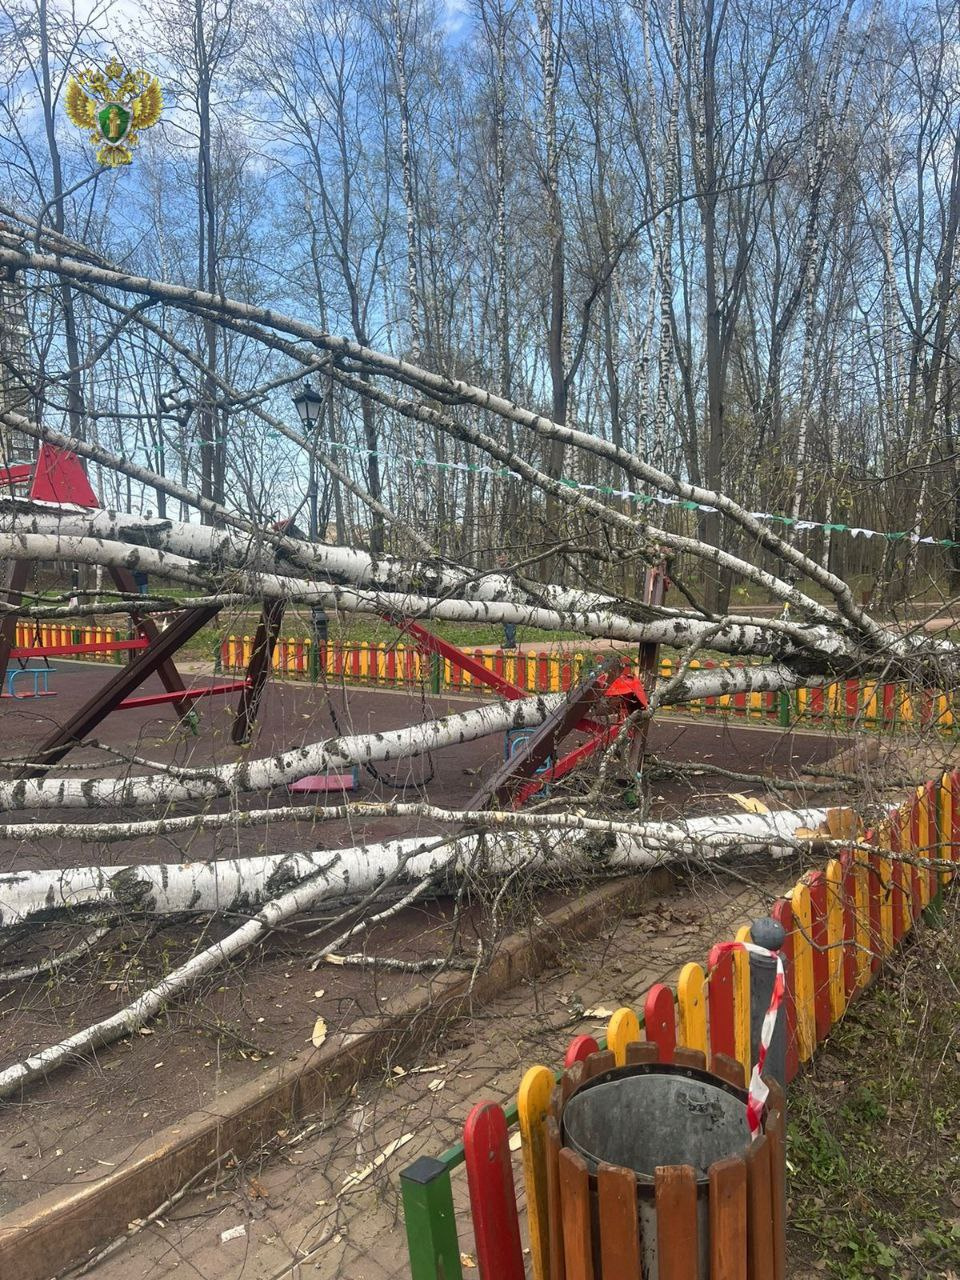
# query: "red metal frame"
155,699
601,734
64,650
519,777
566,764
427,642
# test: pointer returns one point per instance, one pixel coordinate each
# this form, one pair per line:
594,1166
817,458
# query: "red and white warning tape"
758,1092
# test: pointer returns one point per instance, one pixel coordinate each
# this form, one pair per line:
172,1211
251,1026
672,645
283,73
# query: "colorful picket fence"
96,644
855,702
864,704
840,923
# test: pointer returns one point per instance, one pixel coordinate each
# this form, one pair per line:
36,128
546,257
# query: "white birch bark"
73,792
239,884
741,830
491,598
76,792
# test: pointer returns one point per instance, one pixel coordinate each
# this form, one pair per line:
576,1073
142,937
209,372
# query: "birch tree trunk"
742,831
259,774
229,885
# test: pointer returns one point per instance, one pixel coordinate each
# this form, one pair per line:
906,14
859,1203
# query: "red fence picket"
783,913
579,1049
659,1020
817,884
720,1003
493,1202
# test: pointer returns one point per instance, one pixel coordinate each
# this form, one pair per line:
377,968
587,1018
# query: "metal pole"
767,932
312,499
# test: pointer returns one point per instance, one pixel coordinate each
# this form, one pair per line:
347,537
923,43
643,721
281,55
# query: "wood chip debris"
360,1175
747,802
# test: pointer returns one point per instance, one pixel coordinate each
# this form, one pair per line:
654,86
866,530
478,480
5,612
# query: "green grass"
874,1133
357,630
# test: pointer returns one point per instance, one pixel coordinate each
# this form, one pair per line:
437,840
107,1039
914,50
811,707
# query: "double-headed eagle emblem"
114,104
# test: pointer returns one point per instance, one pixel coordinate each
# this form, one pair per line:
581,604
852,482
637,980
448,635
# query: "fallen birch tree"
324,875
511,840
201,557
233,558
263,773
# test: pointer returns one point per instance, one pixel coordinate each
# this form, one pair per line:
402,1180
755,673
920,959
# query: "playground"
258,1015
455,827
265,1121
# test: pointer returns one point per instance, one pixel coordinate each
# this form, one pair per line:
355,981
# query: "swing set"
597,707
57,476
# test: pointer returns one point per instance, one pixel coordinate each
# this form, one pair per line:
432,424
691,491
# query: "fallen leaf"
436,1085
515,1141
318,995
319,1033
233,1233
467,1260
598,1012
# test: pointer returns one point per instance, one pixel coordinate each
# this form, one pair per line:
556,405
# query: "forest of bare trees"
719,235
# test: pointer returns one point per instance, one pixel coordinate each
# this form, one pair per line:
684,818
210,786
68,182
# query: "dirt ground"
262,1008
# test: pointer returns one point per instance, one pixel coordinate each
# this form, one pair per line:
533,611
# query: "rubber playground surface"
250,1016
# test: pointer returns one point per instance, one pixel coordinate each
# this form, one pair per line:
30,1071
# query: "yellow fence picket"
902,817
692,1007
945,816
622,1029
886,889
924,844
803,985
533,1106
838,998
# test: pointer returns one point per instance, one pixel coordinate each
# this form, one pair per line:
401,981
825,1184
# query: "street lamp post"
309,404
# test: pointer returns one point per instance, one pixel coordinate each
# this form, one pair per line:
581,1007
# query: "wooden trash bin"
652,1173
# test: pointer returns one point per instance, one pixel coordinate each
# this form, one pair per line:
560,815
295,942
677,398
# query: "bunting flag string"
801,525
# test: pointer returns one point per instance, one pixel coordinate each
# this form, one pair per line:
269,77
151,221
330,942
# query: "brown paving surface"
299,1220
249,1016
